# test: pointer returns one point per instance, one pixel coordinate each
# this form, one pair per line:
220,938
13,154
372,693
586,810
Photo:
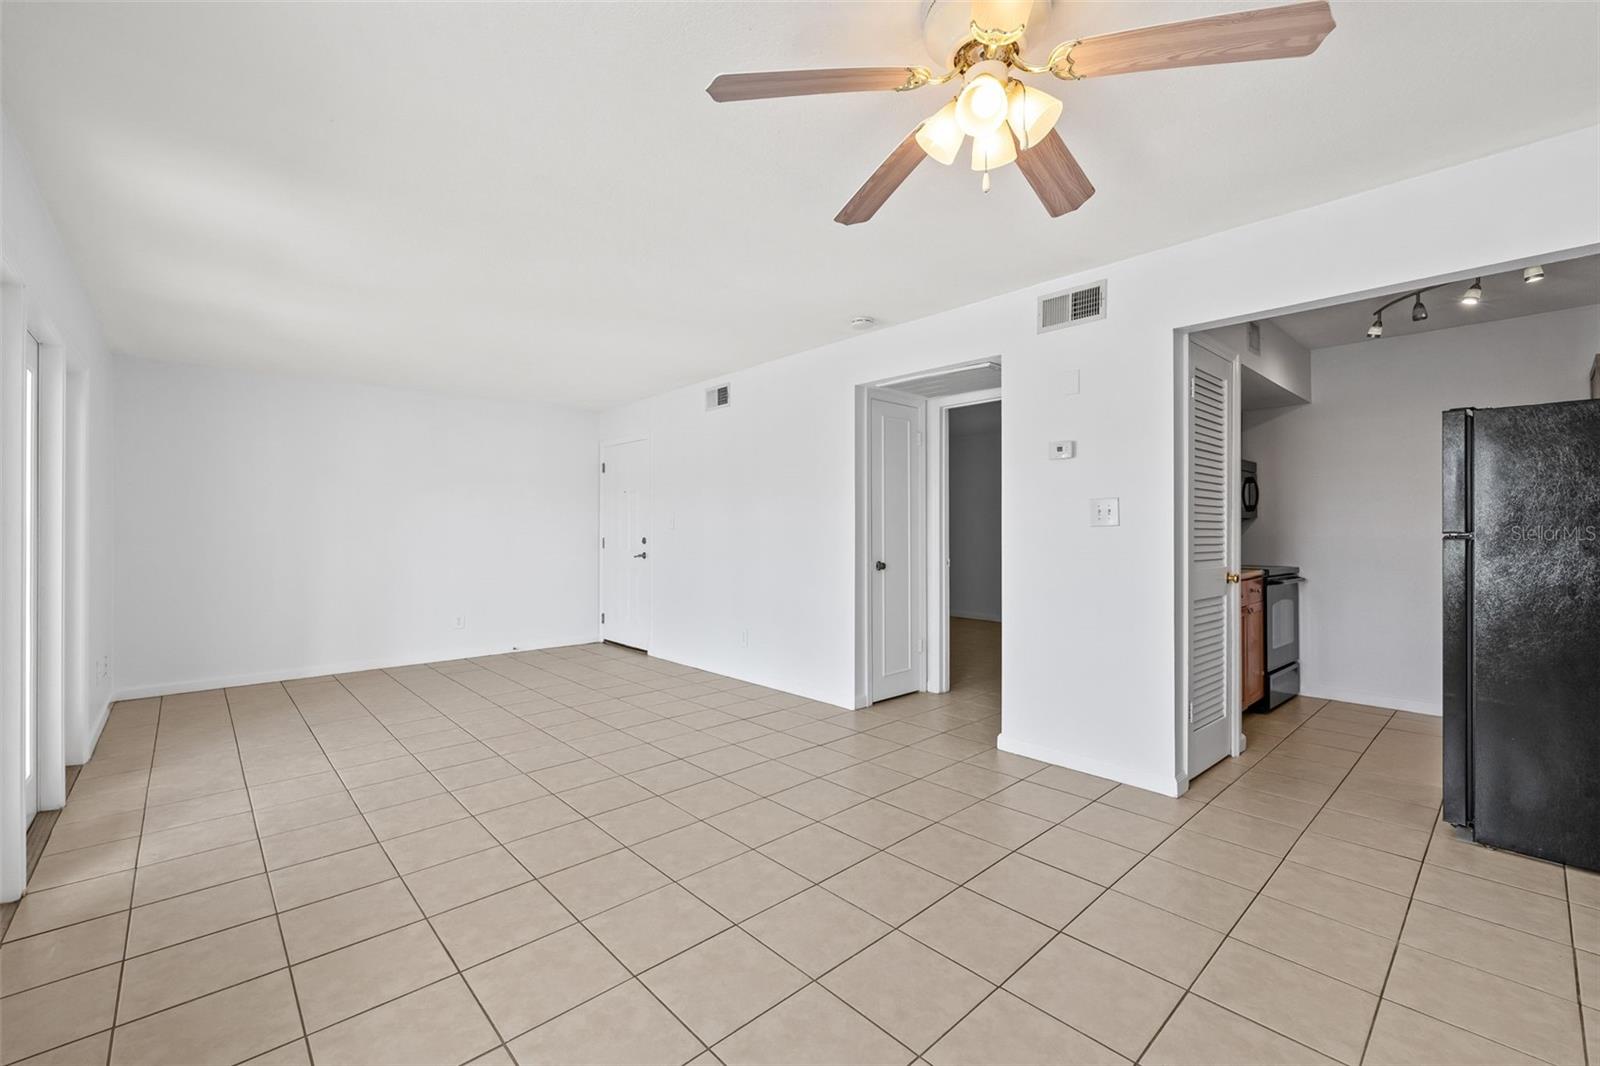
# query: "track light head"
1419,313
1474,293
1533,274
1375,330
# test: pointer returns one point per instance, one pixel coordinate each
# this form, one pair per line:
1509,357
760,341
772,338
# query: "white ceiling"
1571,283
540,200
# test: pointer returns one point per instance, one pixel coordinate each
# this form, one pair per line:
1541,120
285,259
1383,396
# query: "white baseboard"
1380,700
1165,785
296,673
82,754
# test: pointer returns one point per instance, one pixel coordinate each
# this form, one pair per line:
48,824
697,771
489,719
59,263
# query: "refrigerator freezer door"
1457,471
1535,641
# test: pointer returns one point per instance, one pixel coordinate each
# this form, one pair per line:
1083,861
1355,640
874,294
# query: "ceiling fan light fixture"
991,151
940,136
1031,113
1474,293
1001,16
981,106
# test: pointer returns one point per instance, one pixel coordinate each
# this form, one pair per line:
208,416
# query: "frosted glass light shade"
1031,113
982,105
941,136
1001,15
990,151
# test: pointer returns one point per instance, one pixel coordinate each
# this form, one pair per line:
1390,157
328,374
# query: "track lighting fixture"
1375,330
1533,274
1419,313
1473,294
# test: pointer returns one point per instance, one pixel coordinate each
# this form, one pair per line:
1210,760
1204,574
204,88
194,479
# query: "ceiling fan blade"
884,181
1266,33
765,86
1056,177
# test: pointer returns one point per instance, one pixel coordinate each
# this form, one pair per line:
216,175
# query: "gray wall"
974,443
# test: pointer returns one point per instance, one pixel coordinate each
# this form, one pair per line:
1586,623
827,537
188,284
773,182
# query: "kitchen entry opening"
928,534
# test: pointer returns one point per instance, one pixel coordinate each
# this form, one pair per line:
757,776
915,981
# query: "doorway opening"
30,579
1302,511
912,627
972,525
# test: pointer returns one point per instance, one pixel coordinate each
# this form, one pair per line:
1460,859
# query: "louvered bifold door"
1211,668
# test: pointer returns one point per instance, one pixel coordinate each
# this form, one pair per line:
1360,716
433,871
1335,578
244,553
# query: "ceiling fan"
1011,121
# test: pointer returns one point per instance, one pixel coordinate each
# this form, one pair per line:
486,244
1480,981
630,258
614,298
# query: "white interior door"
625,544
1212,673
30,579
895,538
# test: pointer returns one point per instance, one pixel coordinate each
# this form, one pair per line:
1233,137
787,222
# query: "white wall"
57,308
756,519
272,526
1282,360
1350,489
974,507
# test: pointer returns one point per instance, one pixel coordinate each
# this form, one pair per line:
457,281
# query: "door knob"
881,565
1233,579
642,555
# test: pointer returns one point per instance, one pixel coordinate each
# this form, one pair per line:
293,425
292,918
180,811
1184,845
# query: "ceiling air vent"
716,396
1070,308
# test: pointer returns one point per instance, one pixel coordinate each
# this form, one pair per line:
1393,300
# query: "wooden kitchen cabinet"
1252,638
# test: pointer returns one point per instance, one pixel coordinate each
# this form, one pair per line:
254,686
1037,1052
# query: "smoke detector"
863,322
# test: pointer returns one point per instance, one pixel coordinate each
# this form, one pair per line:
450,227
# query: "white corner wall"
974,512
44,291
271,526
755,505
1350,489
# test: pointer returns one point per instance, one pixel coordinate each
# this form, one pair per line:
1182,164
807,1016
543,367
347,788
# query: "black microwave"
1249,490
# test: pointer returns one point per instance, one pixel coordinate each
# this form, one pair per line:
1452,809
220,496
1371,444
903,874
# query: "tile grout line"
493,1025
1256,895
133,883
615,774
277,914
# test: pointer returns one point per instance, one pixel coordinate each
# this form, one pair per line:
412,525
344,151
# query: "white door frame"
600,533
1183,438
938,453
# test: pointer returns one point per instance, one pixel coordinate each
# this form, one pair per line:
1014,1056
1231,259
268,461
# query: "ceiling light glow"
1474,293
1533,274
981,107
941,136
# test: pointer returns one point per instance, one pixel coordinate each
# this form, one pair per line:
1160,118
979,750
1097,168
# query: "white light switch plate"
1063,449
1106,511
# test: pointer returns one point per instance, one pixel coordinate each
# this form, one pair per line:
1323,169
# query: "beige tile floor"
586,855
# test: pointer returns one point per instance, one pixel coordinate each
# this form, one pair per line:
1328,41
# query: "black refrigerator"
1522,628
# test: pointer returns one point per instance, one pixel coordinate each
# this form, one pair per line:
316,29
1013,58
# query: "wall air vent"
1072,307
717,396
